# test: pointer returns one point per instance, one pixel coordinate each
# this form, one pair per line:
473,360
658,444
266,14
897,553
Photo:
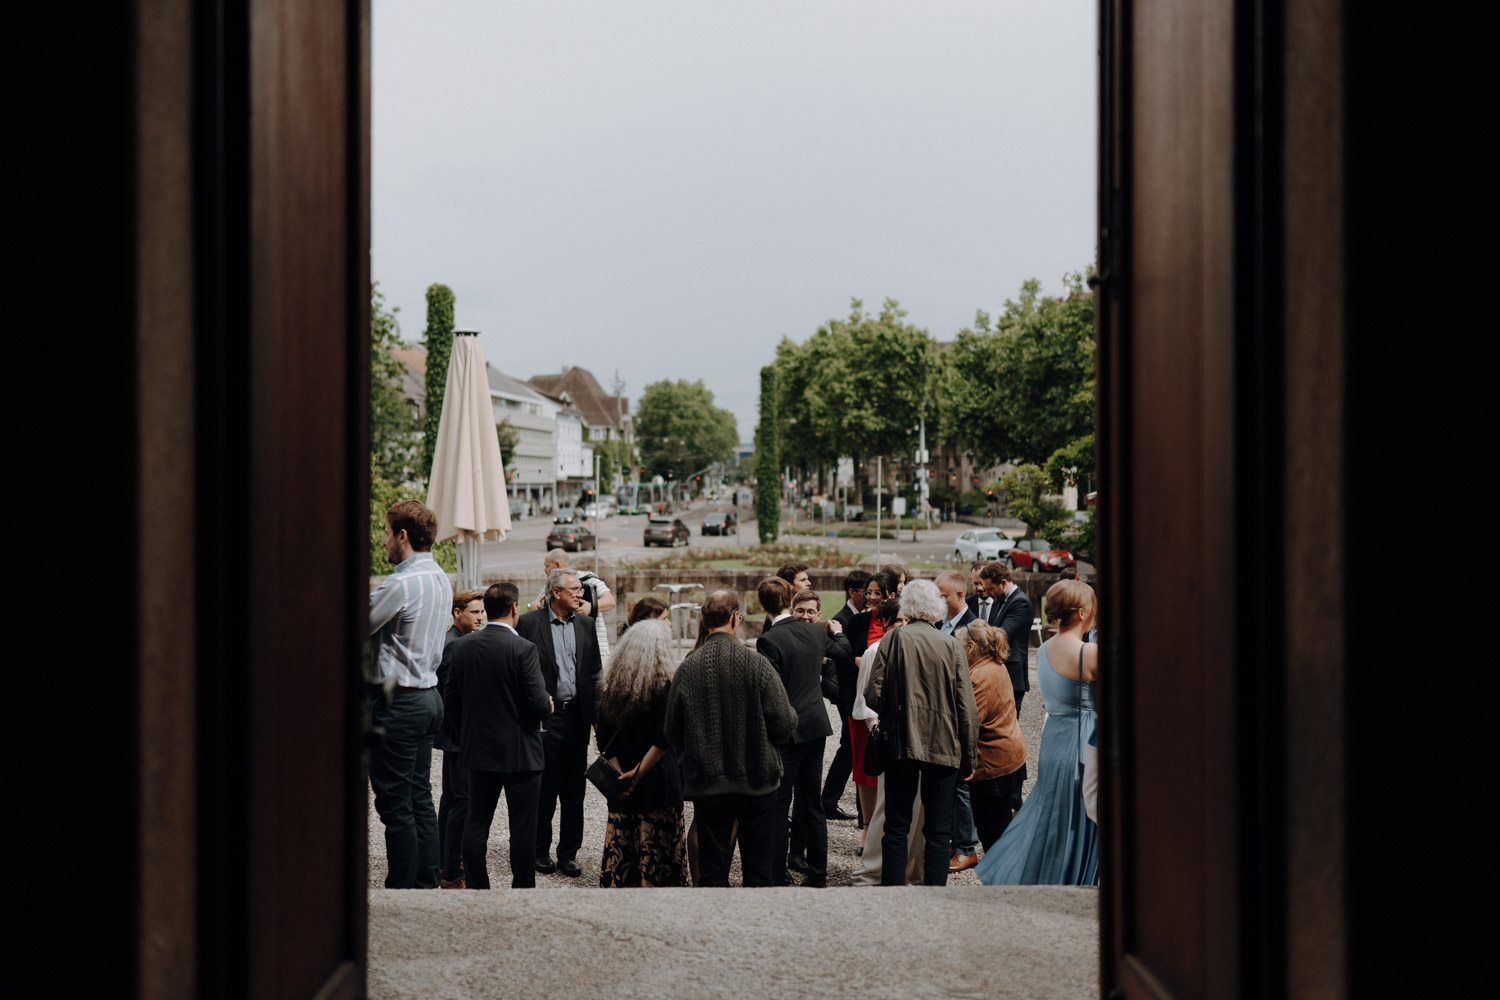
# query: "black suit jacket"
845,616
963,619
858,631
495,700
800,653
1015,615
537,627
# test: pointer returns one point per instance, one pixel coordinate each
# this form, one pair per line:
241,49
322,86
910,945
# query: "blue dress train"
1051,841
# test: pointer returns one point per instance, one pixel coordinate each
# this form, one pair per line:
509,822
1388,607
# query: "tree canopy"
680,431
856,387
394,444
1025,388
767,460
438,340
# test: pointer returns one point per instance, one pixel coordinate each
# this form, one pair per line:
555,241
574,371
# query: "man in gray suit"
496,703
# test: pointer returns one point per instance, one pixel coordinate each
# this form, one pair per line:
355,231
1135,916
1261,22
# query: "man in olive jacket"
727,711
921,690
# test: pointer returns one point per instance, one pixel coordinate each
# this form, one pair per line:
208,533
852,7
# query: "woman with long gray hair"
643,841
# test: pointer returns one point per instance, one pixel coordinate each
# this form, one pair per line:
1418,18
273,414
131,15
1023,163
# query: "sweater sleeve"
776,708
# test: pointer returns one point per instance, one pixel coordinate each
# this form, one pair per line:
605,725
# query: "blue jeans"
401,776
965,833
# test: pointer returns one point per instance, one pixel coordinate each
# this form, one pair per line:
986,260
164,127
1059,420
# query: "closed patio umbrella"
467,488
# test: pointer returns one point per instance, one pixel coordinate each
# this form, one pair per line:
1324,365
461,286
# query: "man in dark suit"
977,602
854,597
1011,611
569,651
496,703
797,651
965,849
842,764
950,584
468,616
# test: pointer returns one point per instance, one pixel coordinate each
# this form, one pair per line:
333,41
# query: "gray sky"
668,188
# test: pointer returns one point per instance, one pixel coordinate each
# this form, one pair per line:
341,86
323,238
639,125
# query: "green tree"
856,387
1024,486
509,438
1077,455
438,341
383,493
1025,388
680,431
394,444
767,460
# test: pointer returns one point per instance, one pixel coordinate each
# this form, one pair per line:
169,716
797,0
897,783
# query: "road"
620,538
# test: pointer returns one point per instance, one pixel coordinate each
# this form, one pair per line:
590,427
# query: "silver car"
982,543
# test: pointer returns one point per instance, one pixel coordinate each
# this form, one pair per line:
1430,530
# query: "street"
620,538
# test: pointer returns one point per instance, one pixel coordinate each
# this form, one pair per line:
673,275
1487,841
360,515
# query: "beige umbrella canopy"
467,488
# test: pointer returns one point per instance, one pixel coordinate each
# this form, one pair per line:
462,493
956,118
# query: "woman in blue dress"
1051,841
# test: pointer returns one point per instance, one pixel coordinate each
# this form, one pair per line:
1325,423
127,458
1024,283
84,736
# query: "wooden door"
1222,428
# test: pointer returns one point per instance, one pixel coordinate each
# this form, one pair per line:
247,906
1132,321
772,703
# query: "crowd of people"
927,681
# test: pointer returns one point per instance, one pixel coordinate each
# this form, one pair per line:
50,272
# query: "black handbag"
884,748
605,776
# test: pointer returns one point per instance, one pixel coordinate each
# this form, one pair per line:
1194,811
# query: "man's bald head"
719,608
556,559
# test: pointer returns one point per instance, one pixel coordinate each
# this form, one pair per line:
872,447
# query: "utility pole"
922,492
879,487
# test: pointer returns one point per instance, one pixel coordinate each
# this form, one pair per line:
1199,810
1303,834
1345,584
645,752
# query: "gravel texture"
843,836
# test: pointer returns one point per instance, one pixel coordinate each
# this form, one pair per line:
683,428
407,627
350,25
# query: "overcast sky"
667,188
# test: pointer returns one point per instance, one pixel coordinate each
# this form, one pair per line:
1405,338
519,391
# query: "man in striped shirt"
409,614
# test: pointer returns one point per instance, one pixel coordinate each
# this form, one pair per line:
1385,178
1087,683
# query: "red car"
1038,555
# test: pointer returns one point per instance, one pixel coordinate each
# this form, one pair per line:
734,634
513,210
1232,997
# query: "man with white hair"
597,598
920,689
569,653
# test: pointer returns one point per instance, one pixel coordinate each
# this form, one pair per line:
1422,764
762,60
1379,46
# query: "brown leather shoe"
961,862
452,883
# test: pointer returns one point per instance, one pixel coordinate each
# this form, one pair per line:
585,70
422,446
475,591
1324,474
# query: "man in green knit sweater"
727,711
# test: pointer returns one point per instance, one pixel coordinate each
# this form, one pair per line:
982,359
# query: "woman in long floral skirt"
643,842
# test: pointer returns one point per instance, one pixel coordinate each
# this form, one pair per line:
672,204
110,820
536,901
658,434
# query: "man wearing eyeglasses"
569,653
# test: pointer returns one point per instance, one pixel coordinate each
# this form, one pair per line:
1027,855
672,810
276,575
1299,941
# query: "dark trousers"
802,776
521,791
1020,776
566,745
453,811
401,777
991,802
937,783
839,769
758,819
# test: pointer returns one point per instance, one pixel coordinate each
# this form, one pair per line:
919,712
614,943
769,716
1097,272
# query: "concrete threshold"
978,942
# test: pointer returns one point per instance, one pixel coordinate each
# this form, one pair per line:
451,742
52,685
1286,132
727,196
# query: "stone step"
867,943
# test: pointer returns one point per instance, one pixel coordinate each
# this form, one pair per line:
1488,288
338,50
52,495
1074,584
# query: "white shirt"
504,625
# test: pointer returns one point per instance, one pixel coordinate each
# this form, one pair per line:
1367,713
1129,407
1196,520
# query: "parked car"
1038,555
667,531
720,523
982,543
573,537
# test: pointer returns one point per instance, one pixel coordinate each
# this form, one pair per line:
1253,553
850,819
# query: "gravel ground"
843,836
